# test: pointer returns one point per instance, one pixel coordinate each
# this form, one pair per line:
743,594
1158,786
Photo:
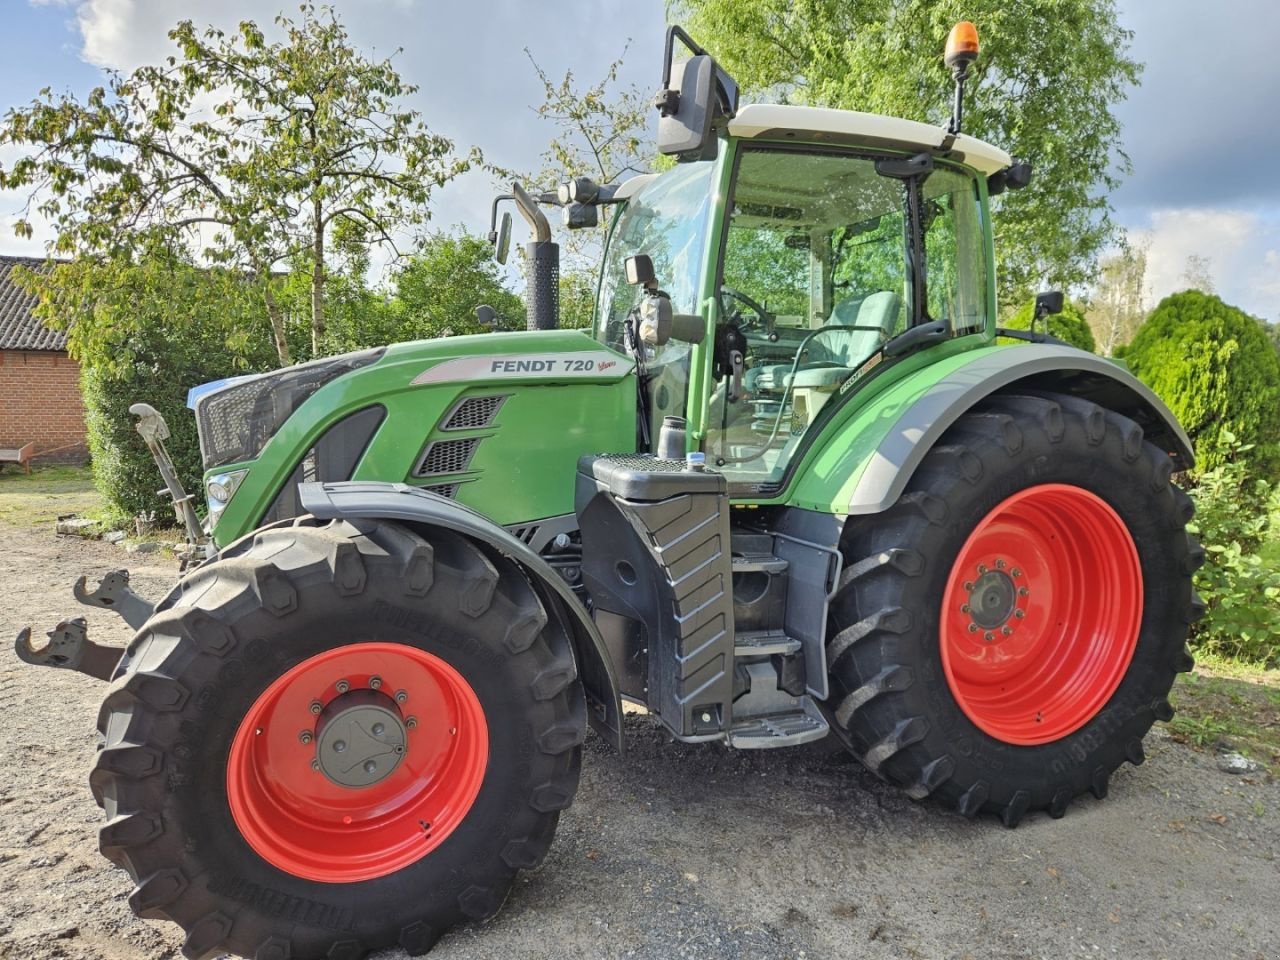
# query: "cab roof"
820,124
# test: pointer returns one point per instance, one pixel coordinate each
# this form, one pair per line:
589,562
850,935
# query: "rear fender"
865,463
415,507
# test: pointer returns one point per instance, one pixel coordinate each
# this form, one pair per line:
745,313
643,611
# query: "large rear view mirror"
502,243
696,94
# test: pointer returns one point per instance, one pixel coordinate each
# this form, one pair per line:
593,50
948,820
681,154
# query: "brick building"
39,384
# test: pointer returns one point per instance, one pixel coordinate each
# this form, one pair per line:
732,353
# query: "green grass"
1223,701
39,498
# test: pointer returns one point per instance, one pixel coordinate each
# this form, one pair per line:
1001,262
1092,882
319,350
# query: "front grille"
446,456
473,413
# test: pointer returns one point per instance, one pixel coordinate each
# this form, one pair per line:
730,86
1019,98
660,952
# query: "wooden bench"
19,455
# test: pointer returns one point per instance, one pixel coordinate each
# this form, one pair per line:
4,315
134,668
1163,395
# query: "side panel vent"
473,413
446,456
447,490
526,533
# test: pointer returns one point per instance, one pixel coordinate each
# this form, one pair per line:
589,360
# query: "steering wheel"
763,318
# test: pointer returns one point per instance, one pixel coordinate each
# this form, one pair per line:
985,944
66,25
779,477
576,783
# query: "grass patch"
39,498
1225,701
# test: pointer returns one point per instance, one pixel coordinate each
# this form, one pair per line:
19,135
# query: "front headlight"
219,490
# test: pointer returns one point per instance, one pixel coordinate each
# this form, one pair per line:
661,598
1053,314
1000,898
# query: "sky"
1201,130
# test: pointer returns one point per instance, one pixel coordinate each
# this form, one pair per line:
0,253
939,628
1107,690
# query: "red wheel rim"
1041,613
299,820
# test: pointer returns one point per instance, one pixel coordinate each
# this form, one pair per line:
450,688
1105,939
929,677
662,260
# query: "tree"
1044,88
1116,310
307,139
601,132
1069,325
148,330
437,291
1198,273
1212,365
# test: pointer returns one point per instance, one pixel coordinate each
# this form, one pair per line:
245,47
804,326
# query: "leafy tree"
1116,310
438,290
1069,325
601,132
147,330
1213,366
307,139
1044,88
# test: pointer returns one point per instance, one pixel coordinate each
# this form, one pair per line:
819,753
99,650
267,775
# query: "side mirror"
502,239
695,94
640,271
1048,304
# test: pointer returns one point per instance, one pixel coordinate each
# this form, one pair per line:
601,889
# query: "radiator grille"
473,413
447,456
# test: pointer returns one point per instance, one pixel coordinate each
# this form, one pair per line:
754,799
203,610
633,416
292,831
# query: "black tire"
274,600
890,700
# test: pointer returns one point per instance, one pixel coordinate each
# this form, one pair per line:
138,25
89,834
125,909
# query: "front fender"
410,505
867,458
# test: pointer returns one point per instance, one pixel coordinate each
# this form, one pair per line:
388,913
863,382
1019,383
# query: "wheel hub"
360,738
992,599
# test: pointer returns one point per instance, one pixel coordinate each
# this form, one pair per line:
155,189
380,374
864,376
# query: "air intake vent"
448,490
473,413
446,456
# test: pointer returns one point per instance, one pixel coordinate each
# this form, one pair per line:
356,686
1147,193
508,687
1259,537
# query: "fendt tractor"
790,486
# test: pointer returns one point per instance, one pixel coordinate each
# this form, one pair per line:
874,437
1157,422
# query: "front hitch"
70,648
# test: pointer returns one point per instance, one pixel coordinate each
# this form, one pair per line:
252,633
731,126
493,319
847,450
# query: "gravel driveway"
693,851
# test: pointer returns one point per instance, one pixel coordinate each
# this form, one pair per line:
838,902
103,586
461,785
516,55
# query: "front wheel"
1005,635
338,738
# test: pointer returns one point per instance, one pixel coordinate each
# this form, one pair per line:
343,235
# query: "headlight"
219,490
236,421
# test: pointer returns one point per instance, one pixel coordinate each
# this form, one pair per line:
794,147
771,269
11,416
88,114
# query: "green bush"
1214,367
1069,325
148,332
1238,521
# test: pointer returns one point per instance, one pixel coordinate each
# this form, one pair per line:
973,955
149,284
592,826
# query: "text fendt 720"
790,486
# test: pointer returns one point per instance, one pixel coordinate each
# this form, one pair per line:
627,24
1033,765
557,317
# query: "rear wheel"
1005,635
335,739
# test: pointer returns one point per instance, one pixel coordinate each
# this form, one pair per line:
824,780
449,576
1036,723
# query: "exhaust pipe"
544,265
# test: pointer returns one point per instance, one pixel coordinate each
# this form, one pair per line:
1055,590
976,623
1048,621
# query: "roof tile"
19,328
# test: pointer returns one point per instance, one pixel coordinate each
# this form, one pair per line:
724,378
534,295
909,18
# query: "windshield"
667,220
818,275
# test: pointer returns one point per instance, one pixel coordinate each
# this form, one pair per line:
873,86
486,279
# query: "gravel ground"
693,851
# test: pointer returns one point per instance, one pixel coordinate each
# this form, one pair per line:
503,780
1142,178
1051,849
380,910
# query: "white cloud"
1240,247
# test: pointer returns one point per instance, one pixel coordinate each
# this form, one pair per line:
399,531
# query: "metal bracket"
113,593
70,648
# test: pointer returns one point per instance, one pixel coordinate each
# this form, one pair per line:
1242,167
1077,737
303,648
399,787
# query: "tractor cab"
810,263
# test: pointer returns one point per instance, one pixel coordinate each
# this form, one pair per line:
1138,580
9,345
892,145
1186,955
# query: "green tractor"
790,486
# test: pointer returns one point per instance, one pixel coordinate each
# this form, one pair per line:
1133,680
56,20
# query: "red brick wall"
40,401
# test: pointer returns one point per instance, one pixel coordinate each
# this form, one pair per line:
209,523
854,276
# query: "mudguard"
411,505
866,459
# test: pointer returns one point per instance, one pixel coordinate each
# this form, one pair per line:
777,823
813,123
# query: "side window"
954,251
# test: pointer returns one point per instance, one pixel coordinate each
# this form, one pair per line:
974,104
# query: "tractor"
794,484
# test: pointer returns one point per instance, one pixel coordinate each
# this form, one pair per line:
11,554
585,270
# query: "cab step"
764,643
788,729
759,563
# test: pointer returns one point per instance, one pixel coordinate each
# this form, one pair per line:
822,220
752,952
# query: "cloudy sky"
1202,129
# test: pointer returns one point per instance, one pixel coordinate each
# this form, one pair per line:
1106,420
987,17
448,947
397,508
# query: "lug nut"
973,628
1015,572
401,696
411,722
982,568
305,736
968,585
999,564
964,608
988,636
1006,630
1019,614
342,686
316,706
1024,592
315,764
375,683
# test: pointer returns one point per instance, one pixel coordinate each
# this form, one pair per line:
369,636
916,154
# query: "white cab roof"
773,121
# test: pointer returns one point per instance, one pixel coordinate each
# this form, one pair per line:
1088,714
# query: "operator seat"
870,320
